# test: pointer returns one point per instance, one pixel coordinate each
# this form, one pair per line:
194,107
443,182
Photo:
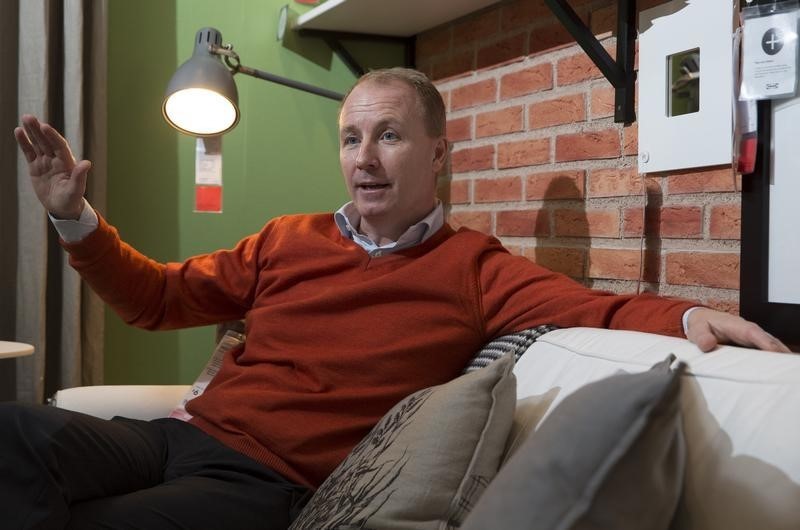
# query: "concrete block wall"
538,161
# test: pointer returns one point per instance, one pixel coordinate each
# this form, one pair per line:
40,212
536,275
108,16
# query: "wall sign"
685,85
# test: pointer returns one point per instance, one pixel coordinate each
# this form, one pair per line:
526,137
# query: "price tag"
769,60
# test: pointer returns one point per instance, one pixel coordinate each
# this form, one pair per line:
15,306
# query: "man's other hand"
707,328
59,183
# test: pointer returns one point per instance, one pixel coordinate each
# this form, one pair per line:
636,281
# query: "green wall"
281,158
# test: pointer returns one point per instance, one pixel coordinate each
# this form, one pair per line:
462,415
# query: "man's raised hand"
58,181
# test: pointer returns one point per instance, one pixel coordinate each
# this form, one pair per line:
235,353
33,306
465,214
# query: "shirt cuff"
72,230
686,319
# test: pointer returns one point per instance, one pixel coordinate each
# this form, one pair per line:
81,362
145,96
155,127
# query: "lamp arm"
232,60
299,85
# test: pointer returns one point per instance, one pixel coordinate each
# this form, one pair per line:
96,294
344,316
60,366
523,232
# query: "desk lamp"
201,98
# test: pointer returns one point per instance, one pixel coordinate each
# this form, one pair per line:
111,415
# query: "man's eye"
350,140
389,135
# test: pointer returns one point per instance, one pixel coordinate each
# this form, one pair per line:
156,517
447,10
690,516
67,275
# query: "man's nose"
367,156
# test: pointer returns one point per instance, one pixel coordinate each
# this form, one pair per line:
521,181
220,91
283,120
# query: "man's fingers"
24,144
34,129
705,340
80,173
56,142
765,341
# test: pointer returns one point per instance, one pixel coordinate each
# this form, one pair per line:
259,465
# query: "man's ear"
440,153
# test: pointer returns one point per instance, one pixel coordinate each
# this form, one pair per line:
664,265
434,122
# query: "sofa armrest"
144,402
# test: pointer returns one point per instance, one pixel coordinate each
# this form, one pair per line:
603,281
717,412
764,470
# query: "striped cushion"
517,342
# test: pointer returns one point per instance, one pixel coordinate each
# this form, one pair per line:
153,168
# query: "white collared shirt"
347,218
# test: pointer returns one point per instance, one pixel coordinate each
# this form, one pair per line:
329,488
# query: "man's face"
388,159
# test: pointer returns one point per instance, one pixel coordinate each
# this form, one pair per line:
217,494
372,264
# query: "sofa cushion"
426,462
610,455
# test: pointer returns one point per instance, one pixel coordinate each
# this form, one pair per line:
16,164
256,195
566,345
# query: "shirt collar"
347,218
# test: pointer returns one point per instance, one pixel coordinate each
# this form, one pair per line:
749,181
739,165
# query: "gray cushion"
426,462
609,456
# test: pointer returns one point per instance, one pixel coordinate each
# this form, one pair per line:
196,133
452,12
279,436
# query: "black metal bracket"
620,73
334,41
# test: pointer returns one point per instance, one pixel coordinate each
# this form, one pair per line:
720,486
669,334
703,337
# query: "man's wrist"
73,230
686,319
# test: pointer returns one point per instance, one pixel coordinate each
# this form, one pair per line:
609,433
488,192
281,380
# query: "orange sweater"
334,337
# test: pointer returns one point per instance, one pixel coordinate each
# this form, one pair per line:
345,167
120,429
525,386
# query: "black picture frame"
782,320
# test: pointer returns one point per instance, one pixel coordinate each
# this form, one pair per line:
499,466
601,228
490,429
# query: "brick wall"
538,161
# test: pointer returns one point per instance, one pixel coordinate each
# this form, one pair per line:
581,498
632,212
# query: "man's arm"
517,293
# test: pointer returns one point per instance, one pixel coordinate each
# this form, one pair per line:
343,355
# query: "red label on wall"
208,199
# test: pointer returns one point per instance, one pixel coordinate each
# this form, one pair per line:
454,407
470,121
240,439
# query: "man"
346,314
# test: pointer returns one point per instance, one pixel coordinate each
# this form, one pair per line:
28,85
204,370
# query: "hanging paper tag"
769,60
208,175
231,340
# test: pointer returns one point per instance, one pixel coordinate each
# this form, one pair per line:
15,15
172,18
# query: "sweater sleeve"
517,294
202,290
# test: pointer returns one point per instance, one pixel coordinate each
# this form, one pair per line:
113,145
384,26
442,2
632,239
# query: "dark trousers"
62,469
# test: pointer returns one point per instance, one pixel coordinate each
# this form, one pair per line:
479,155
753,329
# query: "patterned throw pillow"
426,462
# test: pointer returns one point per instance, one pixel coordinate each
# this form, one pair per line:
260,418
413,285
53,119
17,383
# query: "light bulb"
200,111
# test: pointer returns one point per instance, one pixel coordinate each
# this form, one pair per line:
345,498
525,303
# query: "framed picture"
770,247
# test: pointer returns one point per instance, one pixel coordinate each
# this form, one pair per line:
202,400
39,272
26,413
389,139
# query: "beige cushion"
426,462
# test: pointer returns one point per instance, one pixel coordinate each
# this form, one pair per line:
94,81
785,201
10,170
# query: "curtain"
58,50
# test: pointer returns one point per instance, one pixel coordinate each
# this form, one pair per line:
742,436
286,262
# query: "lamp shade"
201,98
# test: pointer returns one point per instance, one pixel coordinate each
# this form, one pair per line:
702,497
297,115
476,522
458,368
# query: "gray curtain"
57,48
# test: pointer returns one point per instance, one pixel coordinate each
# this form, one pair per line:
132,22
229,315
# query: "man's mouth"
372,186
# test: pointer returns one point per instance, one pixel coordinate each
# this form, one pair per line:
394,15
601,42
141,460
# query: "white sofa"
741,416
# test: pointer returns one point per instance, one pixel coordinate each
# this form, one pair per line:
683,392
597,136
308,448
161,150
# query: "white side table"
14,349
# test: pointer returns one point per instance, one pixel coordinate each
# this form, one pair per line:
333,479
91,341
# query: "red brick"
480,221
548,38
604,20
523,153
566,109
632,222
527,81
473,94
569,261
461,63
515,250
729,306
592,223
459,192
614,182
496,122
710,269
482,26
502,51
523,13
588,145
523,223
498,189
602,102
702,180
620,264
472,159
434,42
566,184
630,139
577,68
726,222
681,222
459,129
